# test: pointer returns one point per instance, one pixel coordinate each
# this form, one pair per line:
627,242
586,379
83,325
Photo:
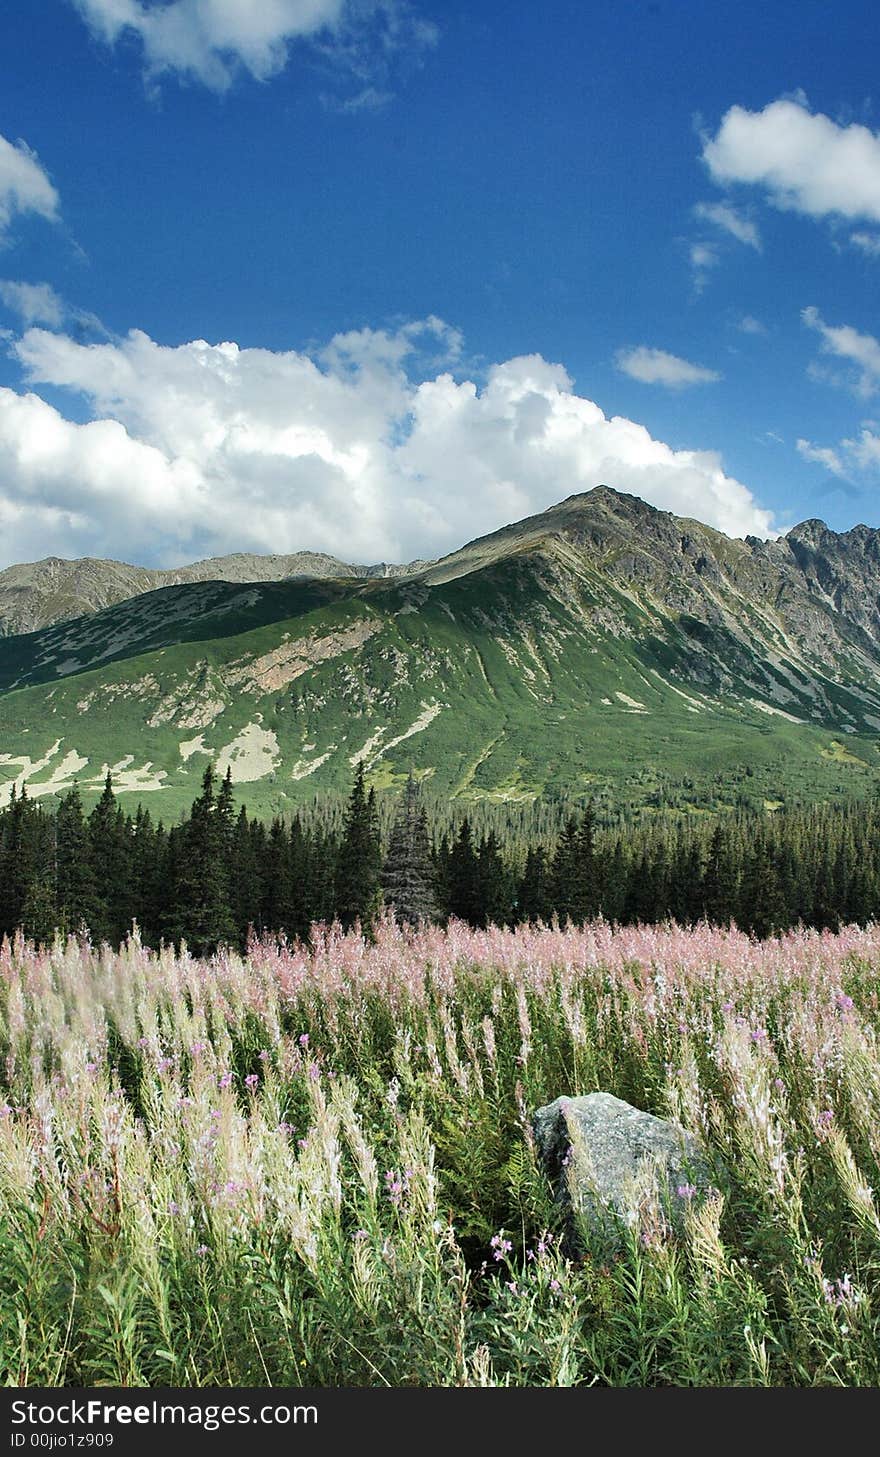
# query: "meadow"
314,1166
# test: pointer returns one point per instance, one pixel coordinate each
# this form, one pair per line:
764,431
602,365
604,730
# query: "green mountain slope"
599,645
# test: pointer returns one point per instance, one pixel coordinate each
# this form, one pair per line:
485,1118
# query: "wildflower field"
314,1167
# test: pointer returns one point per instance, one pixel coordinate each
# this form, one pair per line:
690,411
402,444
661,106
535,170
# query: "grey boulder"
613,1165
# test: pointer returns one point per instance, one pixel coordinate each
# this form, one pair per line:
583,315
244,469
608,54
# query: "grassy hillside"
549,661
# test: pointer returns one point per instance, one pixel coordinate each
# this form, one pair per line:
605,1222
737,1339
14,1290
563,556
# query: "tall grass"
316,1167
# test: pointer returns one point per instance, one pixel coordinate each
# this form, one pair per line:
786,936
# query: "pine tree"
565,887
201,913
408,872
245,882
358,867
74,879
586,900
533,899
275,880
494,891
720,880
110,854
149,878
462,886
27,853
39,915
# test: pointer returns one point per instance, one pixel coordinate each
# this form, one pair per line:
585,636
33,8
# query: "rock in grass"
613,1166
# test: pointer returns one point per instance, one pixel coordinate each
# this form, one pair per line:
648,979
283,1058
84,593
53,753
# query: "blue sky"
371,278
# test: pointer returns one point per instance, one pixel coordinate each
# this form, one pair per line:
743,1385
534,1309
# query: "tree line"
219,876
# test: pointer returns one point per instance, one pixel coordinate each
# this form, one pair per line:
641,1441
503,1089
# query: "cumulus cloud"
24,185
655,366
211,40
802,160
365,450
729,220
34,303
845,342
748,324
821,455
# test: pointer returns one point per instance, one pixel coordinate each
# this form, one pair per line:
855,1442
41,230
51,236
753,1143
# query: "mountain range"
602,647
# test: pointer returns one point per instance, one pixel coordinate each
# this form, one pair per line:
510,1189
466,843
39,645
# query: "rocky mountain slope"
598,646
38,594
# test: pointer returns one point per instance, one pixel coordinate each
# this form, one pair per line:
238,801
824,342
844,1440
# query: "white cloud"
209,40
865,451
866,243
845,342
804,161
703,255
655,366
35,303
24,185
821,455
730,221
748,324
359,451
850,457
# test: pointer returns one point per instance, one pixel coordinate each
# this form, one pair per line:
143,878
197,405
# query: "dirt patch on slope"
283,664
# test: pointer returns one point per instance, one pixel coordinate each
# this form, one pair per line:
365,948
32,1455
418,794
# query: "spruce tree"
565,888
463,889
245,882
408,872
275,880
110,852
533,898
720,880
494,891
74,878
358,867
201,913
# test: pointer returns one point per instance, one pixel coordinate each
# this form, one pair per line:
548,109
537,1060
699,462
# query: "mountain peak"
811,532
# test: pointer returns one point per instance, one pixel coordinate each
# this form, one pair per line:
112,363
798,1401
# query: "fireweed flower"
841,1292
225,1080
500,1245
251,1081
397,1185
686,1191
